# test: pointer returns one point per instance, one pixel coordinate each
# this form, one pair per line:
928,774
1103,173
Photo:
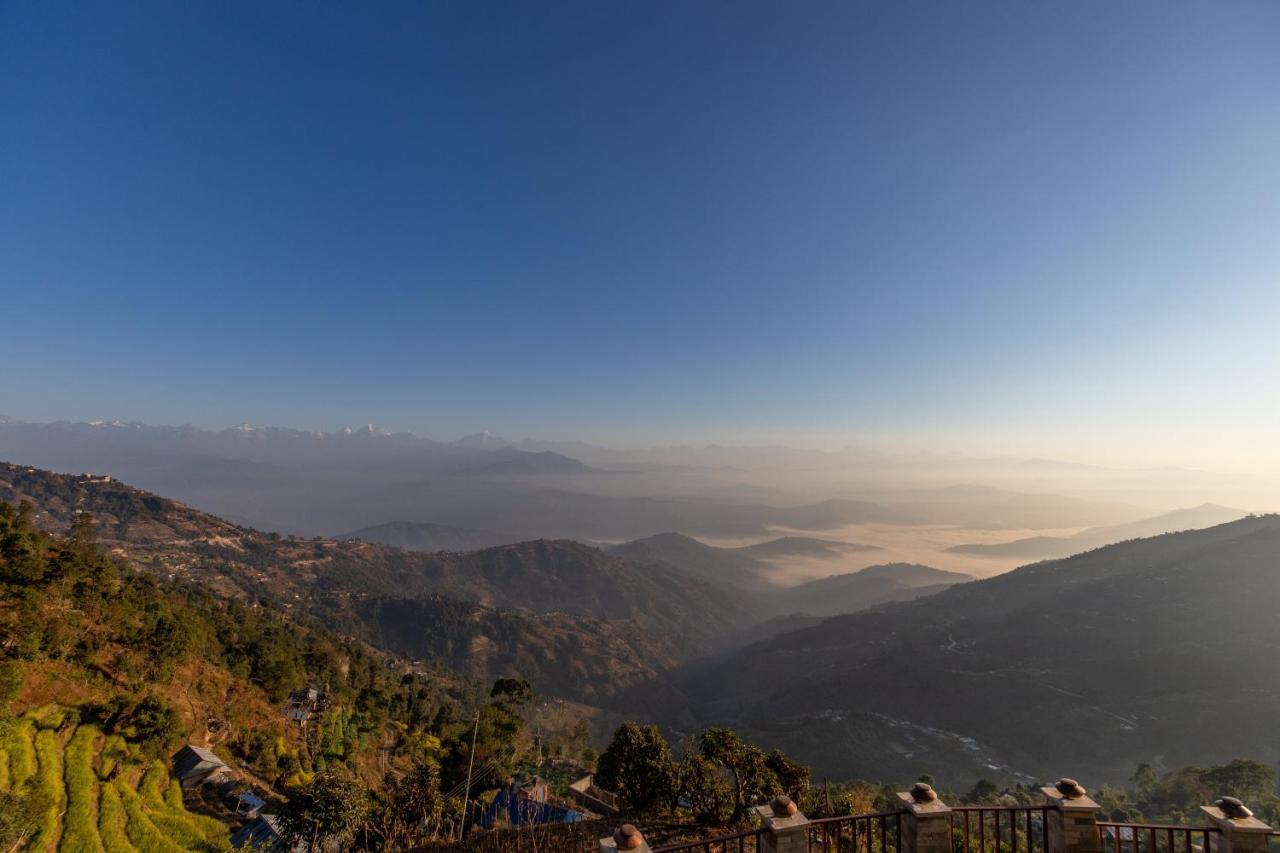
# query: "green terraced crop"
143,833
48,781
80,824
113,822
22,753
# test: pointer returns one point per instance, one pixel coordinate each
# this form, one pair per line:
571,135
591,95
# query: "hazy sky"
1025,226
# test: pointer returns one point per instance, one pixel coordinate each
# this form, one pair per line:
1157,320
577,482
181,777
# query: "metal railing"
1153,838
739,842
868,833
1000,829
974,829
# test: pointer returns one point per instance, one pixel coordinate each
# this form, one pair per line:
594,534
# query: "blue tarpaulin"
525,812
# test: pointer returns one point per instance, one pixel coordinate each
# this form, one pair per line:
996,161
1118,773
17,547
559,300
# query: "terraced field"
101,795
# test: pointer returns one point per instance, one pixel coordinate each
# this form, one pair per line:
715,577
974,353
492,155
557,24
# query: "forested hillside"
130,666
625,620
1155,650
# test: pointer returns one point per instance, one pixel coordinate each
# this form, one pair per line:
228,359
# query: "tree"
702,786
792,776
637,765
21,558
150,721
497,733
983,791
512,693
407,806
1251,781
82,539
331,808
753,780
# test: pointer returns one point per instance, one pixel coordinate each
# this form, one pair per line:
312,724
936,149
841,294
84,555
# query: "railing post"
926,821
1238,830
788,828
627,838
1072,819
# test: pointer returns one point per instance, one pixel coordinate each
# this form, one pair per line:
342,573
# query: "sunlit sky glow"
1047,229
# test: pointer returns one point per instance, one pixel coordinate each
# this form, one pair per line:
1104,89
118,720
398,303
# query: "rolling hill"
863,589
1051,547
506,594
1154,650
729,566
422,536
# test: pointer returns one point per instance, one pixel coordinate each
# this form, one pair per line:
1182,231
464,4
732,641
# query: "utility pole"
466,795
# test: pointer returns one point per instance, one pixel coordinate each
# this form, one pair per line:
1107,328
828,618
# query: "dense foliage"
65,599
718,778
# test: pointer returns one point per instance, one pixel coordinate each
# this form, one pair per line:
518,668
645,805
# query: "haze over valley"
425,494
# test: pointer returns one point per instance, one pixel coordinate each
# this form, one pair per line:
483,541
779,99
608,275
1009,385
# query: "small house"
304,704
586,793
263,834
197,765
249,804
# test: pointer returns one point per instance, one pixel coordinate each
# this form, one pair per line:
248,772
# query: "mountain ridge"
1080,645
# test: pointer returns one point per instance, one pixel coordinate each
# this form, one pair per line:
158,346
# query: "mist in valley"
951,512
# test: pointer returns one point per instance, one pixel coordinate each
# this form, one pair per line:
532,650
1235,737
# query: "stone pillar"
926,821
626,838
1072,818
1238,830
788,828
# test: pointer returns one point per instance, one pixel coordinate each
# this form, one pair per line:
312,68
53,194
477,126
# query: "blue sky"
1050,226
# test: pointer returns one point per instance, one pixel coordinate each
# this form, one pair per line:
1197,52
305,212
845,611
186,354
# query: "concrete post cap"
1233,808
783,806
922,792
1070,789
627,837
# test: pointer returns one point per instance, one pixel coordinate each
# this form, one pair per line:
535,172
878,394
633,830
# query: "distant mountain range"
1050,547
1154,650
295,481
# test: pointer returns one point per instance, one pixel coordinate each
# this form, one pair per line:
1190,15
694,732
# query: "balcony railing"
974,829
999,829
739,842
1153,838
867,833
